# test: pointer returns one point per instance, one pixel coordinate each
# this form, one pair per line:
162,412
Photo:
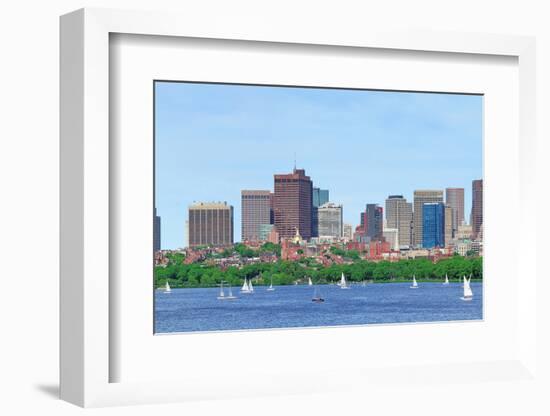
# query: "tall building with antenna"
292,204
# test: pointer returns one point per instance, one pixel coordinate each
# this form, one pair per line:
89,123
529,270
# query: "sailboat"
468,294
317,296
221,296
250,288
446,280
229,296
309,282
343,283
414,285
271,288
167,288
245,288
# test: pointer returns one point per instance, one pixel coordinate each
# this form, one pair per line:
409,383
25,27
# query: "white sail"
468,294
414,284
468,291
446,279
250,288
270,288
222,294
230,295
309,282
245,286
167,287
343,283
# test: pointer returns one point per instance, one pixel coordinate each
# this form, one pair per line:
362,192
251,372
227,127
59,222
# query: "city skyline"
361,169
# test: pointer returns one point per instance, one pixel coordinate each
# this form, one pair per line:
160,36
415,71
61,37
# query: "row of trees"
285,272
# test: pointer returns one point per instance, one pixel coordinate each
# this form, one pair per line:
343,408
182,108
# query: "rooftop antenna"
294,160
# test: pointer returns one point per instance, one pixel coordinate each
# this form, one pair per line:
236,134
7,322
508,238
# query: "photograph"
280,206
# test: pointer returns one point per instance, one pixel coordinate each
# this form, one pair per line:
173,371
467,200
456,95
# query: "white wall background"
29,204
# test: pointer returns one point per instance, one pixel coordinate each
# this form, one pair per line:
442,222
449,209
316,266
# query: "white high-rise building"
348,232
330,220
392,236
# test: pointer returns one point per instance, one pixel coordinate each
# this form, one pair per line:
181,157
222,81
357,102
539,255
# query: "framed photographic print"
322,211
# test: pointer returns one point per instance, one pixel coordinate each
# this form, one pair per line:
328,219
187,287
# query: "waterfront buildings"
433,225
422,197
454,197
292,204
330,220
319,197
373,221
399,215
477,208
156,231
210,223
255,212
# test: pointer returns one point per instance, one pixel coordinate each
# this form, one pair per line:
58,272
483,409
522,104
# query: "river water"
187,310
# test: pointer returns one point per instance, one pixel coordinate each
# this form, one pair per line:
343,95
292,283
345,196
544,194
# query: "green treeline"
287,272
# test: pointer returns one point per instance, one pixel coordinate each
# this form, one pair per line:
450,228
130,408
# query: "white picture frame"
87,331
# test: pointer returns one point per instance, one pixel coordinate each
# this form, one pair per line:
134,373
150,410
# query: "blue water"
185,310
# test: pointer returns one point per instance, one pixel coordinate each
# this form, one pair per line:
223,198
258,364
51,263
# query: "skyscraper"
454,198
255,211
319,197
210,223
448,220
156,232
330,220
433,225
399,215
477,207
422,197
374,221
292,204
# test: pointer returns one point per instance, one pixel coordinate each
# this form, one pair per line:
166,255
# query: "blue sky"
214,140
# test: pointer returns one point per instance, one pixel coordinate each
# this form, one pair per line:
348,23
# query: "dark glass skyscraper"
374,221
319,197
422,197
433,225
